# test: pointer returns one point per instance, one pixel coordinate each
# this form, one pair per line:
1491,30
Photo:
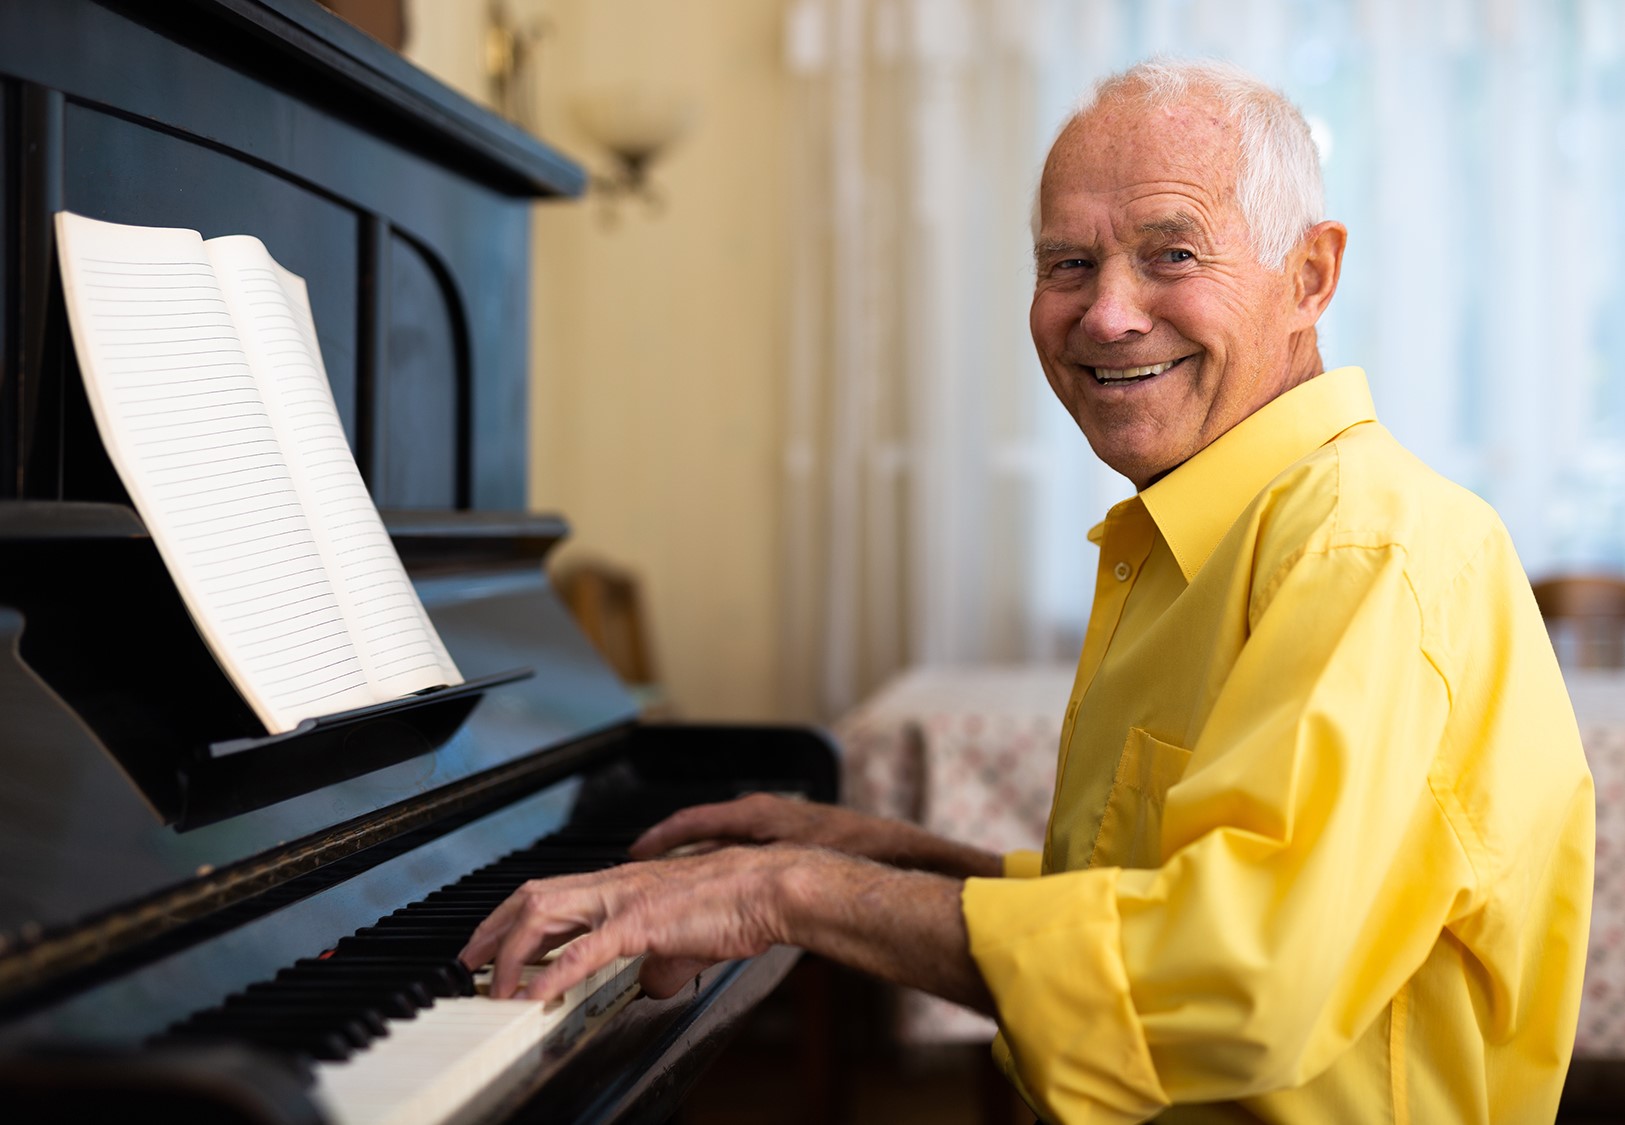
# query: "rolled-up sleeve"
1023,864
1306,870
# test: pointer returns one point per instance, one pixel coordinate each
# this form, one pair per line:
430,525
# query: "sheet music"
398,646
187,428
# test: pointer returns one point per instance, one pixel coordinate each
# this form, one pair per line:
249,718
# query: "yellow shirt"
1321,845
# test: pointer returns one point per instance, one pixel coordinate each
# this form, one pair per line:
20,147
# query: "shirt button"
1122,571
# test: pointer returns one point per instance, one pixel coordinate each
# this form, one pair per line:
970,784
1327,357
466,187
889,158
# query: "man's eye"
1176,255
1073,264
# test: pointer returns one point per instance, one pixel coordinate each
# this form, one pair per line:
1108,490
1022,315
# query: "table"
1599,705
969,752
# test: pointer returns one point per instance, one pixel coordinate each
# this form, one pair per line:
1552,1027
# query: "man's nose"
1117,310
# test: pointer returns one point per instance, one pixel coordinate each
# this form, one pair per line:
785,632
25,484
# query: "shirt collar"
1195,504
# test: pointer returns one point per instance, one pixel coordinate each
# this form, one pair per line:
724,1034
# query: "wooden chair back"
1585,615
608,605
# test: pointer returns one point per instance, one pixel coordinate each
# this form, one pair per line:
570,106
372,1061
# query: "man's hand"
763,819
682,914
685,914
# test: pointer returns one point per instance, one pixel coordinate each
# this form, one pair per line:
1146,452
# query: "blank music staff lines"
377,592
203,369
199,438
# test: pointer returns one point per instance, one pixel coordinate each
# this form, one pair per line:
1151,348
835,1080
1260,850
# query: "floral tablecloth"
1599,705
969,752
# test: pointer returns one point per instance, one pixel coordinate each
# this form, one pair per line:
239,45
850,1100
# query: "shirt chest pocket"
1131,829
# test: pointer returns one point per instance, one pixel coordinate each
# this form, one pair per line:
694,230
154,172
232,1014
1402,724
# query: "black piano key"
359,1023
442,976
290,1019
484,902
401,997
328,1047
467,895
548,864
437,940
459,919
541,865
450,911
402,946
383,1001
414,928
500,880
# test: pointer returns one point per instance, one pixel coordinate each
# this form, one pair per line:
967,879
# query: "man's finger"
532,937
699,847
487,936
748,819
516,948
574,963
681,827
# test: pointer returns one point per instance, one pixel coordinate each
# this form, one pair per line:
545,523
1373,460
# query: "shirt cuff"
1007,1067
1023,864
1050,952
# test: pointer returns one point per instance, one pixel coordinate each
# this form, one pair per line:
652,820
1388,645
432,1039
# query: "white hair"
1278,185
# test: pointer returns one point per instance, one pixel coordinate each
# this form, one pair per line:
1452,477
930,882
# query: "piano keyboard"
389,1025
454,1057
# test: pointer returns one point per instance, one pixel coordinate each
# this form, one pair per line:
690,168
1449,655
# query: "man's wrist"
929,852
903,926
797,888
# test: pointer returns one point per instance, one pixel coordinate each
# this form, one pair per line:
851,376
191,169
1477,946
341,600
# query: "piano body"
200,920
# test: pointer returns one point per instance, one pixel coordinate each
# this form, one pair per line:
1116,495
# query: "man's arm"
764,819
904,926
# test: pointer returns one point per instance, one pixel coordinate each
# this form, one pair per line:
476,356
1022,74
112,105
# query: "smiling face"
1156,325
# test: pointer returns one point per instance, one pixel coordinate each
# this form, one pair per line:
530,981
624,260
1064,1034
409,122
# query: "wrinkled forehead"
1121,143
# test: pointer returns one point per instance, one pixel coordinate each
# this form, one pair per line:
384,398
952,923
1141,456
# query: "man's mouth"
1117,376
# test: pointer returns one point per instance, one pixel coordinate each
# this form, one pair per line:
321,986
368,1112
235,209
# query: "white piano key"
462,1051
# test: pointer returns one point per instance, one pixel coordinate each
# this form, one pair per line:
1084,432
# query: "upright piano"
198,919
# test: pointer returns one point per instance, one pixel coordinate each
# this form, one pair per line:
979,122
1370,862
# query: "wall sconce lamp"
512,51
635,124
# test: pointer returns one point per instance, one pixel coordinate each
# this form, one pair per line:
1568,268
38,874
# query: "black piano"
202,933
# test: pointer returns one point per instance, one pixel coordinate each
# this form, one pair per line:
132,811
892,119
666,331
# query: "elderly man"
1321,842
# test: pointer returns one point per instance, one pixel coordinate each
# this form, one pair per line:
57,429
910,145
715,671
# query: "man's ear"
1316,264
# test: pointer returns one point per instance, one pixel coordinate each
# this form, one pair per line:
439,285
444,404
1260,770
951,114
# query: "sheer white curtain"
917,468
937,498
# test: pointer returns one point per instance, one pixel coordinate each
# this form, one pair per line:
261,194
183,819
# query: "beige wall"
658,344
